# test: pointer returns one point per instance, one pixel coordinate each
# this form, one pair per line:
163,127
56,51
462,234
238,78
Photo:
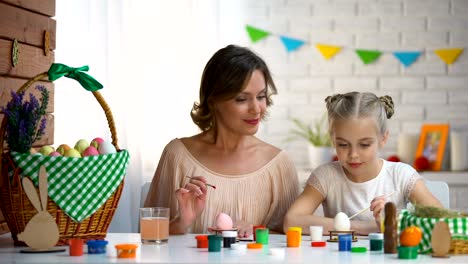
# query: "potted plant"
320,147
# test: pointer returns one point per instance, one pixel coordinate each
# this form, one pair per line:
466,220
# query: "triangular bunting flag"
407,57
368,56
291,44
328,51
256,34
448,55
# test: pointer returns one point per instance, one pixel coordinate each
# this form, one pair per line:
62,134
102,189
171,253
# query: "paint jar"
214,243
97,246
262,236
344,242
126,250
316,233
376,241
239,247
299,229
255,229
318,244
202,241
293,238
229,237
76,246
408,252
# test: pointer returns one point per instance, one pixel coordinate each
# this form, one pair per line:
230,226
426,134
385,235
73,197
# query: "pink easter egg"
54,154
90,151
96,142
223,221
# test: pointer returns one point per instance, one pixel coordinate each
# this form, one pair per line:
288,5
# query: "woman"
255,181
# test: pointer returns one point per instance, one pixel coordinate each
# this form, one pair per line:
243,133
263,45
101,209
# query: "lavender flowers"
26,121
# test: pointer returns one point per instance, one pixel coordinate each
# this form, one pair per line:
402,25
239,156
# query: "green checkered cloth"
79,186
457,225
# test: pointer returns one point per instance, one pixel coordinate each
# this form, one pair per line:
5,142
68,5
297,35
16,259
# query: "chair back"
144,192
440,190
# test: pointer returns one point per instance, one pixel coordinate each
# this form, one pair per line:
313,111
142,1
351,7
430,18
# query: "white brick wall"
429,91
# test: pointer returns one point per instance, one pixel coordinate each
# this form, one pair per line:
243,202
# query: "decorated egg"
73,153
81,145
96,142
341,222
106,147
54,154
223,221
46,150
62,148
90,151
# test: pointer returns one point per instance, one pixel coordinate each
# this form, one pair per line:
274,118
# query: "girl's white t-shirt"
342,195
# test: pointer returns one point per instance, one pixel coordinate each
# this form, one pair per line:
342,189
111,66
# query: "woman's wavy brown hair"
226,75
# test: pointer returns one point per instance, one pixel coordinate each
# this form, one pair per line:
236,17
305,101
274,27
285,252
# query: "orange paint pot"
254,246
202,241
126,250
293,238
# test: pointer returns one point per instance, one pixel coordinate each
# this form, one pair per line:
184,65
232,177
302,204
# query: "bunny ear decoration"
30,191
43,187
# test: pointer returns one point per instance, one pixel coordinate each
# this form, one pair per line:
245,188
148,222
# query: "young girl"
358,128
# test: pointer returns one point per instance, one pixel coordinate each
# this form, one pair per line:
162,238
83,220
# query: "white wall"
428,91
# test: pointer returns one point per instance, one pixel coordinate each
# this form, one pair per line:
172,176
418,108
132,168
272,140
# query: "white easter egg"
341,222
106,147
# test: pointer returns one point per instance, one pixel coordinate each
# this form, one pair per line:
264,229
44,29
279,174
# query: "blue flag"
291,44
407,57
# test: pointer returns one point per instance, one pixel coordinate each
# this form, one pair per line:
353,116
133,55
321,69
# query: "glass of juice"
154,225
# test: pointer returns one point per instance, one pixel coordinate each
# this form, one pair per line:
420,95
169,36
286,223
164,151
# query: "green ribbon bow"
58,70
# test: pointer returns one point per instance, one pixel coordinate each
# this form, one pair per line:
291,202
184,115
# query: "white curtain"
149,55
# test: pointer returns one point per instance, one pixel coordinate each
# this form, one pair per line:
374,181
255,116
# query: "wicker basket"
18,210
459,245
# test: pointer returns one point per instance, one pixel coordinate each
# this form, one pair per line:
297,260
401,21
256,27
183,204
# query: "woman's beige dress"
261,197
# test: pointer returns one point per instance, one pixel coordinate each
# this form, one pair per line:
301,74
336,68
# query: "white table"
183,249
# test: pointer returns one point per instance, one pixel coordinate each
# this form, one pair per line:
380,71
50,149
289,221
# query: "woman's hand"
377,206
244,229
192,199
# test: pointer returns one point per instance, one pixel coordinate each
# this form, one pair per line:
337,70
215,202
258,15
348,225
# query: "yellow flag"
328,51
448,55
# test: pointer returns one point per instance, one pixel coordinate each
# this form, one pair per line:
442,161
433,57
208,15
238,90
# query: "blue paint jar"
97,246
344,242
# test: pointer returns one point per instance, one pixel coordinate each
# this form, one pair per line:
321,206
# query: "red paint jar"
76,246
202,241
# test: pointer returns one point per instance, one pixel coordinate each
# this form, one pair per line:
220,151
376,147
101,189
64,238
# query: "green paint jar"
214,243
262,236
408,252
376,241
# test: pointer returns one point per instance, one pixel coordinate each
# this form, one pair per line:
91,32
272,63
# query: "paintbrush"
363,210
207,184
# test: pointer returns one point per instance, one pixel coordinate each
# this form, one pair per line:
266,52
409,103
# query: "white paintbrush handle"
363,210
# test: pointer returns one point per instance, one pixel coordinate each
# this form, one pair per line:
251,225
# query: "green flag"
256,34
368,56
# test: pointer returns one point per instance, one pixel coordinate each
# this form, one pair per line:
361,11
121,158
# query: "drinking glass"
154,225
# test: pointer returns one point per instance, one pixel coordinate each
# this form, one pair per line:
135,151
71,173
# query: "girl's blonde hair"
358,105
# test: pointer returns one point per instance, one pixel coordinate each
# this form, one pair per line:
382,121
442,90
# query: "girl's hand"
192,199
244,229
377,206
